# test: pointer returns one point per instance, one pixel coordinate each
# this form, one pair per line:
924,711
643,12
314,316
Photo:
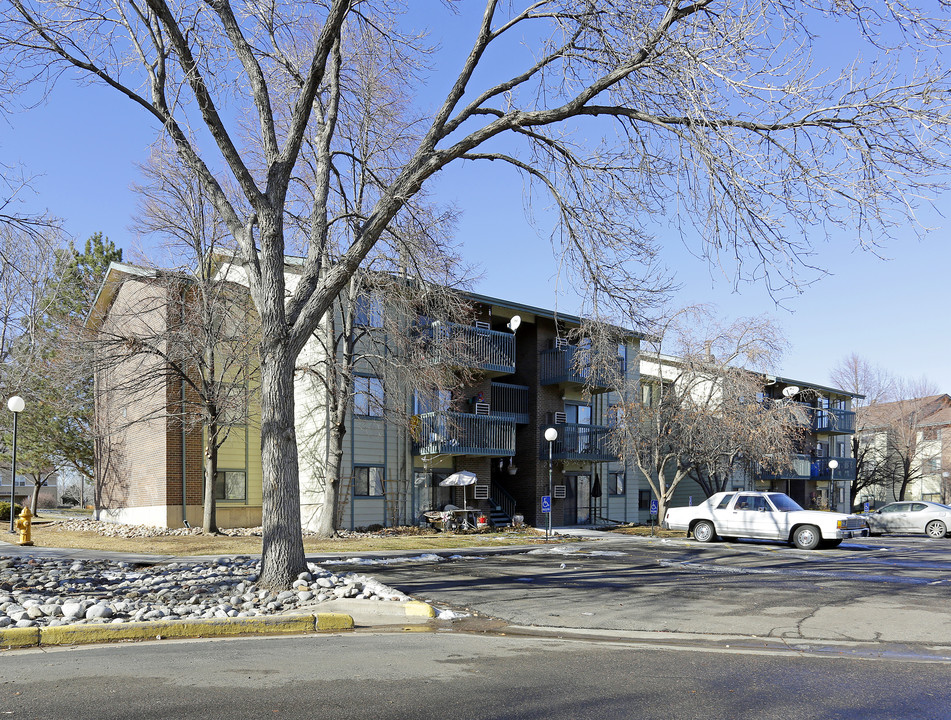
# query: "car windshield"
784,503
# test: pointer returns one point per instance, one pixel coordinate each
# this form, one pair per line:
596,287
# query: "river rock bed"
44,592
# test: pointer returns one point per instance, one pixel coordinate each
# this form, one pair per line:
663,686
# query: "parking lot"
891,593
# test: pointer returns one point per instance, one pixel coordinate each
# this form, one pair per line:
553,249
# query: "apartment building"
906,447
524,377
822,470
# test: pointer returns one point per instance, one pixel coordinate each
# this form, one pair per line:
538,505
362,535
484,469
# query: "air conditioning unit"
560,418
482,408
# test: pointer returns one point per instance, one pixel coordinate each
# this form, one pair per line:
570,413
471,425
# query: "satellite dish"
790,390
514,323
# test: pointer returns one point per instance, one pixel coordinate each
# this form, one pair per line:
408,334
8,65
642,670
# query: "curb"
213,627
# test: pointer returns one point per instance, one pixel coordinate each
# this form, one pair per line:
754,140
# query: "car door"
740,520
916,517
889,519
759,519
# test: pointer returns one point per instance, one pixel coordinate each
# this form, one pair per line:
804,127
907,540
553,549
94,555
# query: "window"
616,483
933,464
368,481
232,404
580,414
643,499
231,486
930,434
431,401
368,396
725,501
368,311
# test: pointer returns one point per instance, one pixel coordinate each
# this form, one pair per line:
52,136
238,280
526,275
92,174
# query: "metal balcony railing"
831,420
510,402
561,365
800,468
845,470
578,442
805,467
470,346
453,433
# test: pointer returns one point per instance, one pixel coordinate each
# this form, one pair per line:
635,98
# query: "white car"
931,518
765,515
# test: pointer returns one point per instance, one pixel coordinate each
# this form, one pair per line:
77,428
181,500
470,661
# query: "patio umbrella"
461,478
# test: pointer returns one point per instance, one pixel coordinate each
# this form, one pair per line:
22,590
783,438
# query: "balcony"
563,365
845,471
510,402
823,420
453,433
805,467
492,351
830,420
578,442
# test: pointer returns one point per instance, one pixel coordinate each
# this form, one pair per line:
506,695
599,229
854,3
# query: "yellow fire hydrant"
24,526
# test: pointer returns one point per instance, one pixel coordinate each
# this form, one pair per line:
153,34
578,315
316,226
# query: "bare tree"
697,410
13,185
894,430
716,108
212,349
871,385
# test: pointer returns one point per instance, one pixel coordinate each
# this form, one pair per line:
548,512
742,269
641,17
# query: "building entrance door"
577,500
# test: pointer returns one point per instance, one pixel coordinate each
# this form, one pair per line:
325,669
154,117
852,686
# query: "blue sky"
83,147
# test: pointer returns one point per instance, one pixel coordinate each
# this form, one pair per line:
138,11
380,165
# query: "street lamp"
833,464
551,434
15,405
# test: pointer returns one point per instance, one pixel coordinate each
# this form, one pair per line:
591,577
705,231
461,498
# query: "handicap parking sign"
653,507
546,503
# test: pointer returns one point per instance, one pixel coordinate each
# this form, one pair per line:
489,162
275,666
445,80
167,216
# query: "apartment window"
616,483
368,396
643,499
368,481
431,401
578,414
231,485
933,464
232,404
368,311
930,434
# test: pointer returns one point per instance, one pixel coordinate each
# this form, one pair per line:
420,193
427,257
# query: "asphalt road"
621,628
440,676
884,595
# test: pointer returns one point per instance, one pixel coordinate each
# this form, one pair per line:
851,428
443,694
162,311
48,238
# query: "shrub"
5,511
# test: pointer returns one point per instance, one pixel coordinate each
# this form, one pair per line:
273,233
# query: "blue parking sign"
653,507
546,503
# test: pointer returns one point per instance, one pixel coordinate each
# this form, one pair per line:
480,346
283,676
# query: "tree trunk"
282,548
34,501
209,521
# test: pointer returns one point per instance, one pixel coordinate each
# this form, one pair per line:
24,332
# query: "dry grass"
185,545
645,530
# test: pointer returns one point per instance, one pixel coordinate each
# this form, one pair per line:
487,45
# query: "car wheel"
704,531
936,529
807,537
